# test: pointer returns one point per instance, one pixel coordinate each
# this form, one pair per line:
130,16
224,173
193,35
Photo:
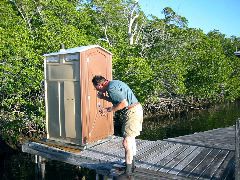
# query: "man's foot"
133,163
121,166
129,169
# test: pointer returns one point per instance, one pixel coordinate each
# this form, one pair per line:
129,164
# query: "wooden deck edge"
65,157
199,144
100,167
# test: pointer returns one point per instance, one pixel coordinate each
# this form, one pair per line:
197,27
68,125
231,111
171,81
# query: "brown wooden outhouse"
72,106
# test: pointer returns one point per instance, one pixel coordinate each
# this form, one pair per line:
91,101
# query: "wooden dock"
204,155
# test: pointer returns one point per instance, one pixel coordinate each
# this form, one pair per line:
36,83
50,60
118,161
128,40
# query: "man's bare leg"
128,143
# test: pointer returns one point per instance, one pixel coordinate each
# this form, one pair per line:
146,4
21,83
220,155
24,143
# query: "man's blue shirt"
118,91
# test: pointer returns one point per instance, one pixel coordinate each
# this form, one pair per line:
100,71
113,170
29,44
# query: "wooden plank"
158,147
143,174
150,149
106,155
117,154
201,167
92,154
181,165
200,142
208,173
175,161
120,153
161,163
141,143
102,150
156,151
113,154
157,156
105,146
146,146
194,163
109,150
226,167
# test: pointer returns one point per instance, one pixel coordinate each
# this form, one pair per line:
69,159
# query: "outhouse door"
98,126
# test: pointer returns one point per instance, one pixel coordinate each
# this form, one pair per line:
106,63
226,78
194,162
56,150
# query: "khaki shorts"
132,121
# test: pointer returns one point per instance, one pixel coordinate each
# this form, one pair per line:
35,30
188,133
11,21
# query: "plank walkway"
204,155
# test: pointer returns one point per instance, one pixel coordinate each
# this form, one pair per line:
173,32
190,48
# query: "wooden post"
42,167
237,150
39,168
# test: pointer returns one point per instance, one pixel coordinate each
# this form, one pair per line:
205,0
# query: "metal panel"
61,109
66,71
53,109
69,109
72,109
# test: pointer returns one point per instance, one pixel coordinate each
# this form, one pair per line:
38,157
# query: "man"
122,98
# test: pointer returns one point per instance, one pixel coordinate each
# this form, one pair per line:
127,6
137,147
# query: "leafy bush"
155,57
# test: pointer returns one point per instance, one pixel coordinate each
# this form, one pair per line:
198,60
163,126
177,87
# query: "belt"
132,105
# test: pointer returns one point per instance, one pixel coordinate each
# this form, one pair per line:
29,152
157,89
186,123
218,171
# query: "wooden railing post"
39,167
237,150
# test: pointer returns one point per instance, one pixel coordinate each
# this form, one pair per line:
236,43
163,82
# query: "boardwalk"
205,155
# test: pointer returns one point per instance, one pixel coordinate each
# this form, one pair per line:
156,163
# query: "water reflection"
21,166
158,128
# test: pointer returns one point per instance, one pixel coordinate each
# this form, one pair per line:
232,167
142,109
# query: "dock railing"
237,150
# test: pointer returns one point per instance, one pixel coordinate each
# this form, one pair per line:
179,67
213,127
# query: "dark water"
219,116
22,166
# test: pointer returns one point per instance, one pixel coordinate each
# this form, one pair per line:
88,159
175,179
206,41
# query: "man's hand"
104,111
109,109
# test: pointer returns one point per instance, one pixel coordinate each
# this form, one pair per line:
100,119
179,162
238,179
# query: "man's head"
99,82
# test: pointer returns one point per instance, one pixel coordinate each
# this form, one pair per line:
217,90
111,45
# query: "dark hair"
98,79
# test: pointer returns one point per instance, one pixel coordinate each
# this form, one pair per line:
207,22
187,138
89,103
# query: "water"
219,116
21,165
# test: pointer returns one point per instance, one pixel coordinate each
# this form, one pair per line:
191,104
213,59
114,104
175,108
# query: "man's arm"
119,106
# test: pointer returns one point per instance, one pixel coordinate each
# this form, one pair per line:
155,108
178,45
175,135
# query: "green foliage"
208,71
172,18
21,75
166,59
137,73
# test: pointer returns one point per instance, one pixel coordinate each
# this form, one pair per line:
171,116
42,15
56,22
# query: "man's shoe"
129,169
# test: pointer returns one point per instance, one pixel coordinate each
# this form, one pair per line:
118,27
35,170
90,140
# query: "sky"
208,15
